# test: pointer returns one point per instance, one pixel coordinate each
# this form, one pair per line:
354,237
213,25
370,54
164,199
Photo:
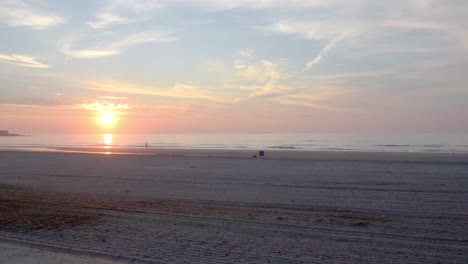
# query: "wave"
340,149
433,146
435,150
284,147
393,146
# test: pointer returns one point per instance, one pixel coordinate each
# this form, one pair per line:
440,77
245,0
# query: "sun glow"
107,118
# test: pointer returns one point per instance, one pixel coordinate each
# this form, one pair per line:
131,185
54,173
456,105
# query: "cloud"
22,60
87,53
113,97
116,47
32,100
141,38
311,29
107,19
119,12
104,105
357,24
18,13
271,81
349,75
179,90
250,4
331,45
308,101
326,98
265,76
272,90
261,71
333,31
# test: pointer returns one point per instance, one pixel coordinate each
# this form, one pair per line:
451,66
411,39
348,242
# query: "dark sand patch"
25,210
28,209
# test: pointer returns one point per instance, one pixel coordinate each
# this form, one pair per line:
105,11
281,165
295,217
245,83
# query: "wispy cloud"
272,90
87,53
118,12
258,70
348,75
271,82
22,60
28,14
331,45
178,90
352,24
251,4
104,105
265,76
113,97
311,100
115,47
332,31
106,19
312,29
141,38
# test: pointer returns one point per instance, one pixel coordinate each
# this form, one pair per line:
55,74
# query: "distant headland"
5,133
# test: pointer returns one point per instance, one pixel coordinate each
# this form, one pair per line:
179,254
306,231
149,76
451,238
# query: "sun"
107,118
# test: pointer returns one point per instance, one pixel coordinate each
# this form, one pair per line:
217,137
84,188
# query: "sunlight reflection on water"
108,139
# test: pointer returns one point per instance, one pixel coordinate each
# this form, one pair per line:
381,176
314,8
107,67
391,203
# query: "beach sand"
213,206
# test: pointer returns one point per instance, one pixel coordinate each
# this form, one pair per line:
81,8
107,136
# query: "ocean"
439,143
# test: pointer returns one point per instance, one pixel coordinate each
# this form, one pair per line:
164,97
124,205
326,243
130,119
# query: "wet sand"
176,206
270,153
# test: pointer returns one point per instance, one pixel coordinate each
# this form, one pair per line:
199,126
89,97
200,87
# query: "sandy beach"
213,206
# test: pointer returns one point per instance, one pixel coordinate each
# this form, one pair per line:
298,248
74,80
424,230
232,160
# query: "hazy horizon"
201,66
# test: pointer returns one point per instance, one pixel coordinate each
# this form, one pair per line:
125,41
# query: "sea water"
441,143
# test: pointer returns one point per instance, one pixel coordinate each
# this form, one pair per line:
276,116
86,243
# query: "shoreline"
244,153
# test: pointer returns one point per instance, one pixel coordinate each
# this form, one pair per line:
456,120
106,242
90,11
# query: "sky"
245,66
